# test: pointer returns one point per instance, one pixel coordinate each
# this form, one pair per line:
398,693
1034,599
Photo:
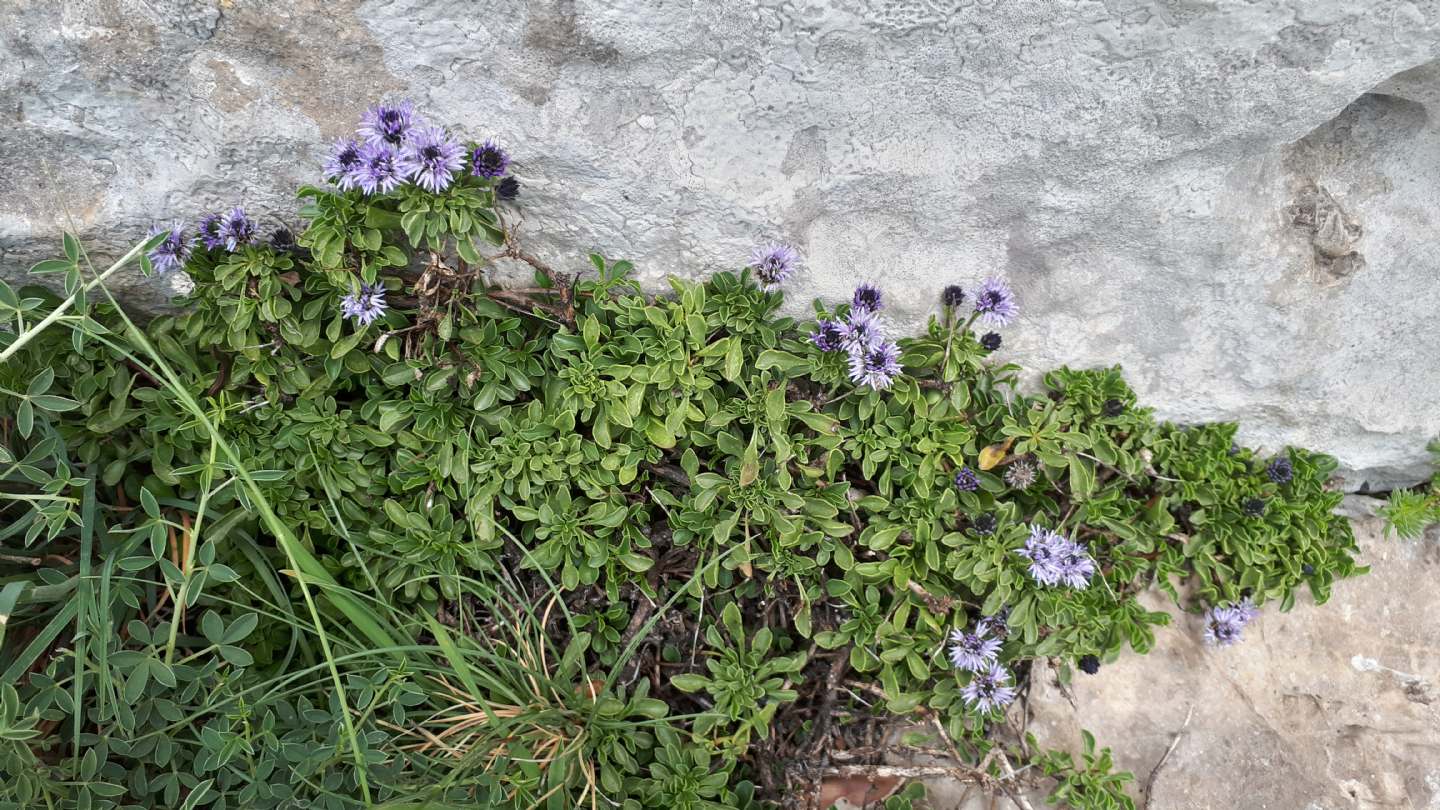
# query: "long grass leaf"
37,646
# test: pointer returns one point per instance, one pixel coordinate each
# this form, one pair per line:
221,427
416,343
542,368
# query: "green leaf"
734,359
236,656
54,404
239,629
51,266
785,361
212,627
40,383
148,502
1082,477
690,682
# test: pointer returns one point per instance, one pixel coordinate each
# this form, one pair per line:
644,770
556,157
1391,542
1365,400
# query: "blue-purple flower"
773,263
973,651
1280,470
379,169
876,365
1042,549
1224,623
989,689
430,158
489,160
173,251
966,480
996,302
1055,559
952,296
861,331
237,229
343,163
867,297
366,305
209,227
388,124
1075,565
829,335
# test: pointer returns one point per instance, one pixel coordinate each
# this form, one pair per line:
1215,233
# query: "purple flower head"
236,229
952,296
388,124
209,227
867,297
773,263
379,169
972,651
875,366
861,331
966,480
1045,551
343,163
1223,625
1281,470
489,160
996,302
172,253
366,305
508,189
989,689
1075,565
430,158
829,335
990,341
1247,609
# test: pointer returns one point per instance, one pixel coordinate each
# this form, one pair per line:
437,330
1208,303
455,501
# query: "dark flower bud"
1254,507
953,296
282,239
508,189
985,524
1089,664
966,480
990,340
1307,569
1280,470
1113,408
867,297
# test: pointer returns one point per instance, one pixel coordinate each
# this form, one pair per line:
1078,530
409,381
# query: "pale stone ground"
1329,707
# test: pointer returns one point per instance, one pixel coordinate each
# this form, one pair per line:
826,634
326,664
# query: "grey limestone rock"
1236,201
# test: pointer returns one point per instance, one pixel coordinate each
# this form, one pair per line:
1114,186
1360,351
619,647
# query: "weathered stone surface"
1323,708
1234,200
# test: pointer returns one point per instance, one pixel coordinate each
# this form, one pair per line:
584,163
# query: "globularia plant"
359,527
